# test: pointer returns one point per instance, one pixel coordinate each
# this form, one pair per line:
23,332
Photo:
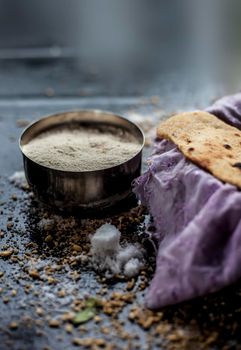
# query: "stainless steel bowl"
86,190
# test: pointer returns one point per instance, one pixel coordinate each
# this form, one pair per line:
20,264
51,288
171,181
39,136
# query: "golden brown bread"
207,142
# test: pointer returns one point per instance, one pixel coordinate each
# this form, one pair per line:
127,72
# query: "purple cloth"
228,109
197,220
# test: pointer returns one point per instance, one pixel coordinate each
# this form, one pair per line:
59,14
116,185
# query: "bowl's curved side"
87,190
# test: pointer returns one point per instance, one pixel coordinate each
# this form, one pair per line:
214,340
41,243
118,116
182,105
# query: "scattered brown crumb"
9,225
54,323
117,302
6,253
14,197
76,248
34,274
69,328
48,238
13,325
105,330
61,293
39,311
68,316
211,338
14,293
89,342
97,319
51,280
130,284
144,318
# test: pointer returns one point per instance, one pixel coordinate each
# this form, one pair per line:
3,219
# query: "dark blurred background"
78,48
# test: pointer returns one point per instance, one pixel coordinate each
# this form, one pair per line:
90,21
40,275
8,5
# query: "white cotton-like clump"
132,267
106,240
18,178
108,256
108,264
127,253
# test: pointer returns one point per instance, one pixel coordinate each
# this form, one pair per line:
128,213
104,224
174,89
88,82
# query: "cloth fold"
197,221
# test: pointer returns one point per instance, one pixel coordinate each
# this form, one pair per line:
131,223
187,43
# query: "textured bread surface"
206,141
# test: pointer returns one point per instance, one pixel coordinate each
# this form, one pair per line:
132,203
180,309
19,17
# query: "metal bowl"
85,190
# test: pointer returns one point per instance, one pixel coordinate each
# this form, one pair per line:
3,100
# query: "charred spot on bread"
227,146
237,165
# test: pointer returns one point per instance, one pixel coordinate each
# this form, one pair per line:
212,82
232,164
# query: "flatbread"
208,142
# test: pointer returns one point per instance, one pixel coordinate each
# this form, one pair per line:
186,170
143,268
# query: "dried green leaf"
84,316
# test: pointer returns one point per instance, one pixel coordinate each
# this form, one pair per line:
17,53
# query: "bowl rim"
95,111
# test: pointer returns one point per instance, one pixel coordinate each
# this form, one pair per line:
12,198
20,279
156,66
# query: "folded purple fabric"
197,220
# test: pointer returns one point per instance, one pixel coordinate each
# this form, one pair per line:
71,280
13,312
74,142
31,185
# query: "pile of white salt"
82,149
